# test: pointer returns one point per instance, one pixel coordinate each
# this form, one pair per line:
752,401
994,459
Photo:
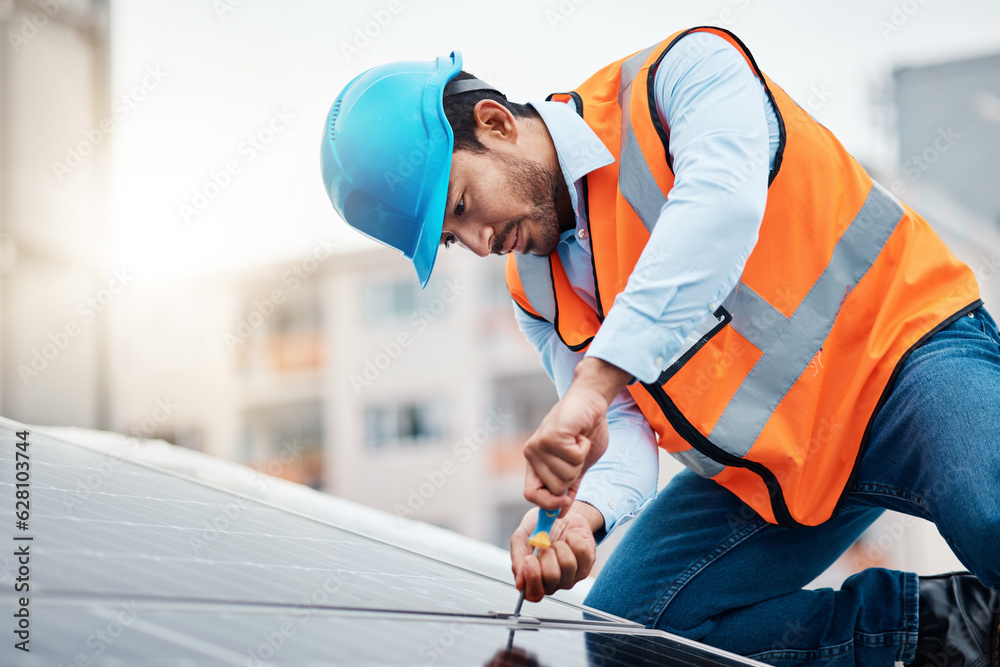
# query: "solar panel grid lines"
242,498
421,538
147,567
161,531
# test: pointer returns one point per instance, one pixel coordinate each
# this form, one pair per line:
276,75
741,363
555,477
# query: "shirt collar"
579,149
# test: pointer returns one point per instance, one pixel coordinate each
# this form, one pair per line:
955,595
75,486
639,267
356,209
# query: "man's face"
500,202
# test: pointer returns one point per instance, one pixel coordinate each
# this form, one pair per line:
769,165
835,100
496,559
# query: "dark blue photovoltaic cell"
131,565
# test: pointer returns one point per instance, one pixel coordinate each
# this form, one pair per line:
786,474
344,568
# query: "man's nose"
478,240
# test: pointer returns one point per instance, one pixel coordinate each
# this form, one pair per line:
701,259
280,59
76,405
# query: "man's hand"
573,435
566,562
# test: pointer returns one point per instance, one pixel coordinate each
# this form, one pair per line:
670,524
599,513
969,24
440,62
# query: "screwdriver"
540,540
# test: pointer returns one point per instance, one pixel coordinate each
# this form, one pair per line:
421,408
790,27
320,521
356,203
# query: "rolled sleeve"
624,479
714,106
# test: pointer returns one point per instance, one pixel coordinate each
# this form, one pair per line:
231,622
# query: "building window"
404,425
279,332
286,441
526,398
389,301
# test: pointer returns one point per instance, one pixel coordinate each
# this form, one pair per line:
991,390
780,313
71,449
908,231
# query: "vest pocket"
698,339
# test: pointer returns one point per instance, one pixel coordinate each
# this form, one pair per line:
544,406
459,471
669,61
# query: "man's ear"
494,122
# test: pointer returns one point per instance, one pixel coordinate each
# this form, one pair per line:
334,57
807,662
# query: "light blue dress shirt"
723,140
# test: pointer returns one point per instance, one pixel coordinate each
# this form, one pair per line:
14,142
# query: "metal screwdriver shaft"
540,540
520,600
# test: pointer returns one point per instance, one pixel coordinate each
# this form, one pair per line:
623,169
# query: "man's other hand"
573,435
567,561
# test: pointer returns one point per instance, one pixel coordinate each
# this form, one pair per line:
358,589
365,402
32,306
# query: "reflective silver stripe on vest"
754,318
631,67
802,336
699,463
635,180
536,279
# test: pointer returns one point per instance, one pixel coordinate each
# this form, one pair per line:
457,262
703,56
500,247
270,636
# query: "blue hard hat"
386,156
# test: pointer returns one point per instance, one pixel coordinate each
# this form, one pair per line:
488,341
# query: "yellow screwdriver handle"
540,538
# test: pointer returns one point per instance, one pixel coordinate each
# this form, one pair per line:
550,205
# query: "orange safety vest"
775,396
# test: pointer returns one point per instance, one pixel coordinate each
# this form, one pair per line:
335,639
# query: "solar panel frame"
190,631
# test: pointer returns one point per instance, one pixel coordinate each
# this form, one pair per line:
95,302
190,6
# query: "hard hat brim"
438,171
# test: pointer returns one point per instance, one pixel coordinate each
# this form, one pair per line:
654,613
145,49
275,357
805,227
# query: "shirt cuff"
622,485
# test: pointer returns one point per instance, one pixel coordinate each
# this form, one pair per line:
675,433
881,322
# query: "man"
702,266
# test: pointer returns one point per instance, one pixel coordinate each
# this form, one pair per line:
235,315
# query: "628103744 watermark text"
22,541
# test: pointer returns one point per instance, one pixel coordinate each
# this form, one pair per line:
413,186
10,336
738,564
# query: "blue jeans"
699,563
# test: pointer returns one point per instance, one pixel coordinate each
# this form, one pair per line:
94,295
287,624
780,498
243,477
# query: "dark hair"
458,109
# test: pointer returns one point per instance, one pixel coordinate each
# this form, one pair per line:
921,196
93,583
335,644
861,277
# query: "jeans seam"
911,618
859,638
892,637
806,654
687,575
867,489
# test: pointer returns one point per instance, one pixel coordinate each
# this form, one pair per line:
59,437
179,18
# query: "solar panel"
135,565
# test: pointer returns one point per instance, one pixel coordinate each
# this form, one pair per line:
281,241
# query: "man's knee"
605,596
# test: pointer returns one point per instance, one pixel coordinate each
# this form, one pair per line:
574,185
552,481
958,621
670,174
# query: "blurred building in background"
949,130
55,112
338,372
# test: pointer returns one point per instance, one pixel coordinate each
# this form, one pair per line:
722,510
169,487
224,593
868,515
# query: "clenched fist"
573,435
566,562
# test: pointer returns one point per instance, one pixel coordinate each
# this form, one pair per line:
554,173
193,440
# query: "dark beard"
543,189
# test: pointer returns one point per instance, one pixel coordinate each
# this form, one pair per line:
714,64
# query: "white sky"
231,65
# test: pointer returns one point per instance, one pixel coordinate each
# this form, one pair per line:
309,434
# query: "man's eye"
460,207
448,240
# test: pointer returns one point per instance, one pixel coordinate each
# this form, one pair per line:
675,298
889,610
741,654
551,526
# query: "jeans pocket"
984,323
